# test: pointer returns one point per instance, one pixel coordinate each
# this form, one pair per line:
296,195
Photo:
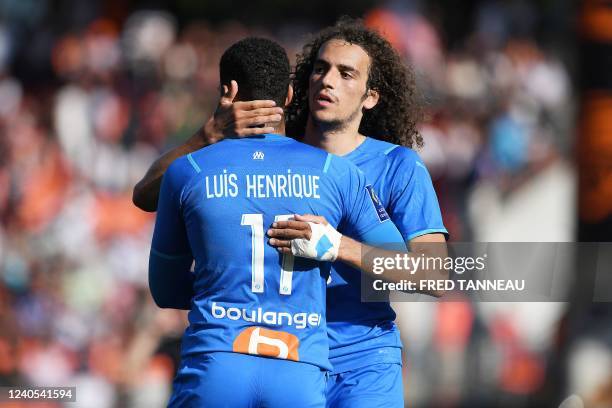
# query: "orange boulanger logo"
266,342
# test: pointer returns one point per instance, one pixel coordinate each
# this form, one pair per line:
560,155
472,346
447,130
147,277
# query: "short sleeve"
413,205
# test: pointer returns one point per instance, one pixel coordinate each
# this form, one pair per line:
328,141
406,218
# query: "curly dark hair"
395,116
261,68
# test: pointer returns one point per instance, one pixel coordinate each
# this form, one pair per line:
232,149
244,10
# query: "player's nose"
328,80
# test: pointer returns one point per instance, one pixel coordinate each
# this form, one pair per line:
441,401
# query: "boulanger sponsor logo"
300,321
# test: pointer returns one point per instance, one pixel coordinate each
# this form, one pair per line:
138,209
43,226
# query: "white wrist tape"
323,244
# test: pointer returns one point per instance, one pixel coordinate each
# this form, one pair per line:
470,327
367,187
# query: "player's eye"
345,75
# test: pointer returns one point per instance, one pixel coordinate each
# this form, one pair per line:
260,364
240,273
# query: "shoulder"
394,154
406,162
181,171
404,156
375,146
339,166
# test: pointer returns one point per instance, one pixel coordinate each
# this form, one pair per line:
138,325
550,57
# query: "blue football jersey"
363,333
216,205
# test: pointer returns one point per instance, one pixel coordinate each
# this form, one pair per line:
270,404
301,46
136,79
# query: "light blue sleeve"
385,235
170,259
413,205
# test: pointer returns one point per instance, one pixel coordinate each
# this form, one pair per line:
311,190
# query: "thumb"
229,93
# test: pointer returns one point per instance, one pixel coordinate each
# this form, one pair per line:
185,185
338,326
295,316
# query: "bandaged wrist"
323,244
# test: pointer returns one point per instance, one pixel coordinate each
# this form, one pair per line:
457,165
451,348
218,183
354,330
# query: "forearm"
146,192
302,235
406,265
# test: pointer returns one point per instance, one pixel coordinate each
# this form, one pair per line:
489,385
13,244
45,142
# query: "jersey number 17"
255,221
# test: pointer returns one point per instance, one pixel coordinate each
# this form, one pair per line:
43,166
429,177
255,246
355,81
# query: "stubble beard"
334,125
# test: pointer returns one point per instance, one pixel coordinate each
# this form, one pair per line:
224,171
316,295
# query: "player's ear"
289,97
371,99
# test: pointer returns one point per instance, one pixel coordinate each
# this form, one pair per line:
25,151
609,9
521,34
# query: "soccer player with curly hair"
354,97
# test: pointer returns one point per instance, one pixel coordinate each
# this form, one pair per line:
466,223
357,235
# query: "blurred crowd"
74,302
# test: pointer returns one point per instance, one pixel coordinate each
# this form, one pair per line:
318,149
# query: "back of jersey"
248,297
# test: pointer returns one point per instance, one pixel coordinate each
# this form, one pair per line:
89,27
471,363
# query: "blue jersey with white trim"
216,205
363,333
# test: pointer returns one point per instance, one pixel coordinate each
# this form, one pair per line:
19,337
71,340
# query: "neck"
280,129
338,141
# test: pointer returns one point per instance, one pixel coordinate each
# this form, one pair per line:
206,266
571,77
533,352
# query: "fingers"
235,119
289,234
250,131
258,120
243,118
311,218
252,105
243,113
282,232
280,243
250,118
245,124
290,224
290,230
